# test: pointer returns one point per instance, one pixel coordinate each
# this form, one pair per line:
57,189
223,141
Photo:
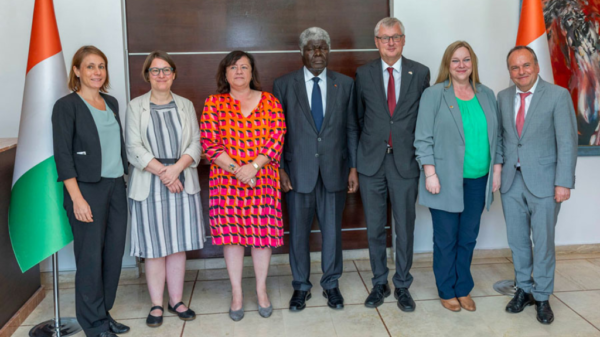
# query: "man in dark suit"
318,162
388,91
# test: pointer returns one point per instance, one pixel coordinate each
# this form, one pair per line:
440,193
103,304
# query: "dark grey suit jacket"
332,151
547,148
376,122
74,130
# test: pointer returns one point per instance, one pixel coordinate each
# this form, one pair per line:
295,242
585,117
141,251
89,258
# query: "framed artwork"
573,28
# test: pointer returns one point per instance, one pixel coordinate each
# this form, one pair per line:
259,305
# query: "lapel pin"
452,107
410,72
335,85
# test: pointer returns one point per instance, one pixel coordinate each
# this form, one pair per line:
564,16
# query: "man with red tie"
539,132
388,91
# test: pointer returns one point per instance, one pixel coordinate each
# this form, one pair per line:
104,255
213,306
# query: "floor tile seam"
182,329
578,314
377,310
575,291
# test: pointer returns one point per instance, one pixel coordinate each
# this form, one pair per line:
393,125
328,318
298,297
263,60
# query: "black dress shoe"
520,300
106,334
334,297
188,315
298,301
544,312
377,295
405,301
116,327
154,321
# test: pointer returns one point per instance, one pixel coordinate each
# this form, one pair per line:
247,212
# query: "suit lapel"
489,114
452,104
377,76
405,81
535,101
511,112
300,89
331,98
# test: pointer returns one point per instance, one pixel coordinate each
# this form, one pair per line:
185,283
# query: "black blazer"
332,151
375,120
74,131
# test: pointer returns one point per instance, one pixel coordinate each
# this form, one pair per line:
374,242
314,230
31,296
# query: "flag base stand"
68,327
505,287
57,327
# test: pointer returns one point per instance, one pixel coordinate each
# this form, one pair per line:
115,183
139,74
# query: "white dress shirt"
308,78
397,75
527,99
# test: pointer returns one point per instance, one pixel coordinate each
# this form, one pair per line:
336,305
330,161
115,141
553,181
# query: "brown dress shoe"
467,303
451,304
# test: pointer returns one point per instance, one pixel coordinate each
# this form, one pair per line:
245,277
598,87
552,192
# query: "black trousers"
328,207
99,248
403,194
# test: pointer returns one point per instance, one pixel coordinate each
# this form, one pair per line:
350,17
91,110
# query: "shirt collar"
532,90
308,76
397,66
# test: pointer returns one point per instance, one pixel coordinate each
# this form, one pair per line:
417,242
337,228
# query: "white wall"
80,22
490,26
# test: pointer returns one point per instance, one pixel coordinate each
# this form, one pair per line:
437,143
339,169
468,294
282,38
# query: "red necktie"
391,97
521,113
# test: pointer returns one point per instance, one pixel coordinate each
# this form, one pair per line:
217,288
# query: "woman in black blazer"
90,159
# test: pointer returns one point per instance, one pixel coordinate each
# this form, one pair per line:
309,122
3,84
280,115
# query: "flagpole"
57,327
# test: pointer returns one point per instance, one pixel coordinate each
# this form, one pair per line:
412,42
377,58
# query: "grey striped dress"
165,223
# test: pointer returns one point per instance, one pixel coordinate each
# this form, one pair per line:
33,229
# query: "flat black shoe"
116,327
106,334
188,315
334,297
298,301
377,295
544,312
520,300
405,301
155,321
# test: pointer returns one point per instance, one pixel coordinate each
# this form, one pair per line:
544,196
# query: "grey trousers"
328,207
529,217
403,194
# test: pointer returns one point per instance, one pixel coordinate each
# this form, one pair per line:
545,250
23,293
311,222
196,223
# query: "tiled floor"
575,304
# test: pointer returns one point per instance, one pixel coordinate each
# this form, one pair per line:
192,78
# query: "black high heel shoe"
188,315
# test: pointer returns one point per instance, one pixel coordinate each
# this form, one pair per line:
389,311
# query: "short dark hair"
231,58
516,48
157,54
74,81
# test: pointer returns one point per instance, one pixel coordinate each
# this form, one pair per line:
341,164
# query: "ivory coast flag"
38,224
532,33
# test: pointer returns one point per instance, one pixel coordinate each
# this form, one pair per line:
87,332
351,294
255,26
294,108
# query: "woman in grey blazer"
456,141
163,146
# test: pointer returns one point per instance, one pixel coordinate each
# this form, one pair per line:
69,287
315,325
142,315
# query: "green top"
477,146
110,141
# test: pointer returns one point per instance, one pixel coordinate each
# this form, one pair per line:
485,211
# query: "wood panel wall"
198,34
15,287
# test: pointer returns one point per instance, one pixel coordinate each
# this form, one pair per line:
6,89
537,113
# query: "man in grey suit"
318,163
539,132
388,91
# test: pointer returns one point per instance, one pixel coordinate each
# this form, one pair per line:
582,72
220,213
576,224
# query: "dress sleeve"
209,130
274,145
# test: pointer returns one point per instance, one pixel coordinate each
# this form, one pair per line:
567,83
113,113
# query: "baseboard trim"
20,316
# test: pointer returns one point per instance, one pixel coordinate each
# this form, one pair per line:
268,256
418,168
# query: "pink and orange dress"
240,214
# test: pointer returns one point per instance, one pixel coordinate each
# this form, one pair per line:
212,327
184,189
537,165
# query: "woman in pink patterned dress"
242,132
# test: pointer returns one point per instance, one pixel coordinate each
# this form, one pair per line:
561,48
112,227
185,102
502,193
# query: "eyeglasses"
386,39
156,71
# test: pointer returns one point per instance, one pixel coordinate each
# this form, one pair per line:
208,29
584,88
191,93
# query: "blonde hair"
444,73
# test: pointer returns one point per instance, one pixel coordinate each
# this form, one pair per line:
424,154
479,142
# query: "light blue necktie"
317,104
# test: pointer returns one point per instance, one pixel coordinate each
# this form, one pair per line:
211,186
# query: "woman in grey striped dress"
163,145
